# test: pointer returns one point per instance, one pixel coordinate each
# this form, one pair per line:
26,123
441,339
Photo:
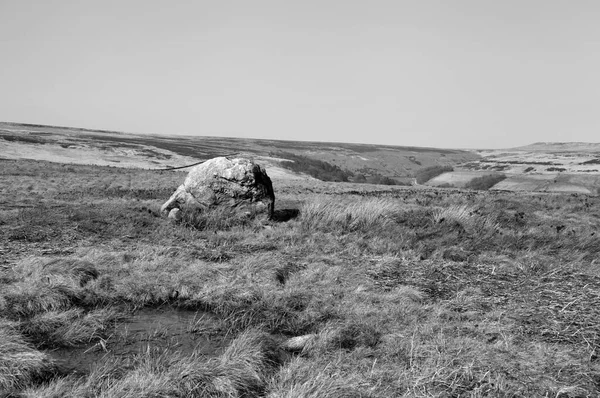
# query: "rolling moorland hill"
107,148
564,147
539,167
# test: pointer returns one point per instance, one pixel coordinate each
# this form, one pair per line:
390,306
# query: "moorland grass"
241,370
406,292
71,327
323,213
20,364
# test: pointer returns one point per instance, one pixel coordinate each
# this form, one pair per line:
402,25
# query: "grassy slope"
403,292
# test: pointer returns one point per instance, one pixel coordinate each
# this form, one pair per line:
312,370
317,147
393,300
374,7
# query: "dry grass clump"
242,370
68,328
39,286
20,364
302,378
468,217
81,271
286,312
30,297
46,300
366,215
220,219
342,336
66,387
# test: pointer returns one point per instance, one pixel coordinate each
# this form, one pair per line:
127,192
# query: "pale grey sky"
460,73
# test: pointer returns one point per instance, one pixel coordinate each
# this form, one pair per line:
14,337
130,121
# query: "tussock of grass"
144,291
300,378
82,271
20,364
40,286
362,215
242,370
67,387
285,312
68,328
468,217
30,297
343,336
219,219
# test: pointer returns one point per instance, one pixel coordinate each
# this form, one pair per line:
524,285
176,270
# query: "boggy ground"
404,292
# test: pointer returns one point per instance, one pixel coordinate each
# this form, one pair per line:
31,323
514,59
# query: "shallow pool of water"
166,330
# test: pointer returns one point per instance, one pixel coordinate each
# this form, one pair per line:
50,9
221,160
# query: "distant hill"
560,147
85,146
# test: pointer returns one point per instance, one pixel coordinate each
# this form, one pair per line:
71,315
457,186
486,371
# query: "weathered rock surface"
298,343
239,184
175,214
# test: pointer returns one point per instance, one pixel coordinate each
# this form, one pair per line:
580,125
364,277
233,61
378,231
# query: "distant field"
457,179
554,182
541,167
559,182
538,159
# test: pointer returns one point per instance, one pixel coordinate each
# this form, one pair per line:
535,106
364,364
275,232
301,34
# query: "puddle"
166,330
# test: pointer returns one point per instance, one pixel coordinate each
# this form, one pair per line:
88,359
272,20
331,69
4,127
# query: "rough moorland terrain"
539,167
81,146
390,291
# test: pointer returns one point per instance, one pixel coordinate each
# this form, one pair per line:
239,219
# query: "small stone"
175,214
298,343
572,392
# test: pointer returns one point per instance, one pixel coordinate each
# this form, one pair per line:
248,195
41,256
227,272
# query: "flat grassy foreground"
399,292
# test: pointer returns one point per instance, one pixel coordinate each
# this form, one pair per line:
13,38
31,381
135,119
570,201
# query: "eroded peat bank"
389,291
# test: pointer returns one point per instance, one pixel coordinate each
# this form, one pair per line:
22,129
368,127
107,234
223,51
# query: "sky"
435,73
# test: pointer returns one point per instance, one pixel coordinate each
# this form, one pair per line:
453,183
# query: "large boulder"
239,184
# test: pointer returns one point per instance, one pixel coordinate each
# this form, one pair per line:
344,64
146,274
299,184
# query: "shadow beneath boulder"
284,215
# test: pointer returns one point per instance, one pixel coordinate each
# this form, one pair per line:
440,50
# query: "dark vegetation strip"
425,174
592,161
485,182
325,171
520,162
22,138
